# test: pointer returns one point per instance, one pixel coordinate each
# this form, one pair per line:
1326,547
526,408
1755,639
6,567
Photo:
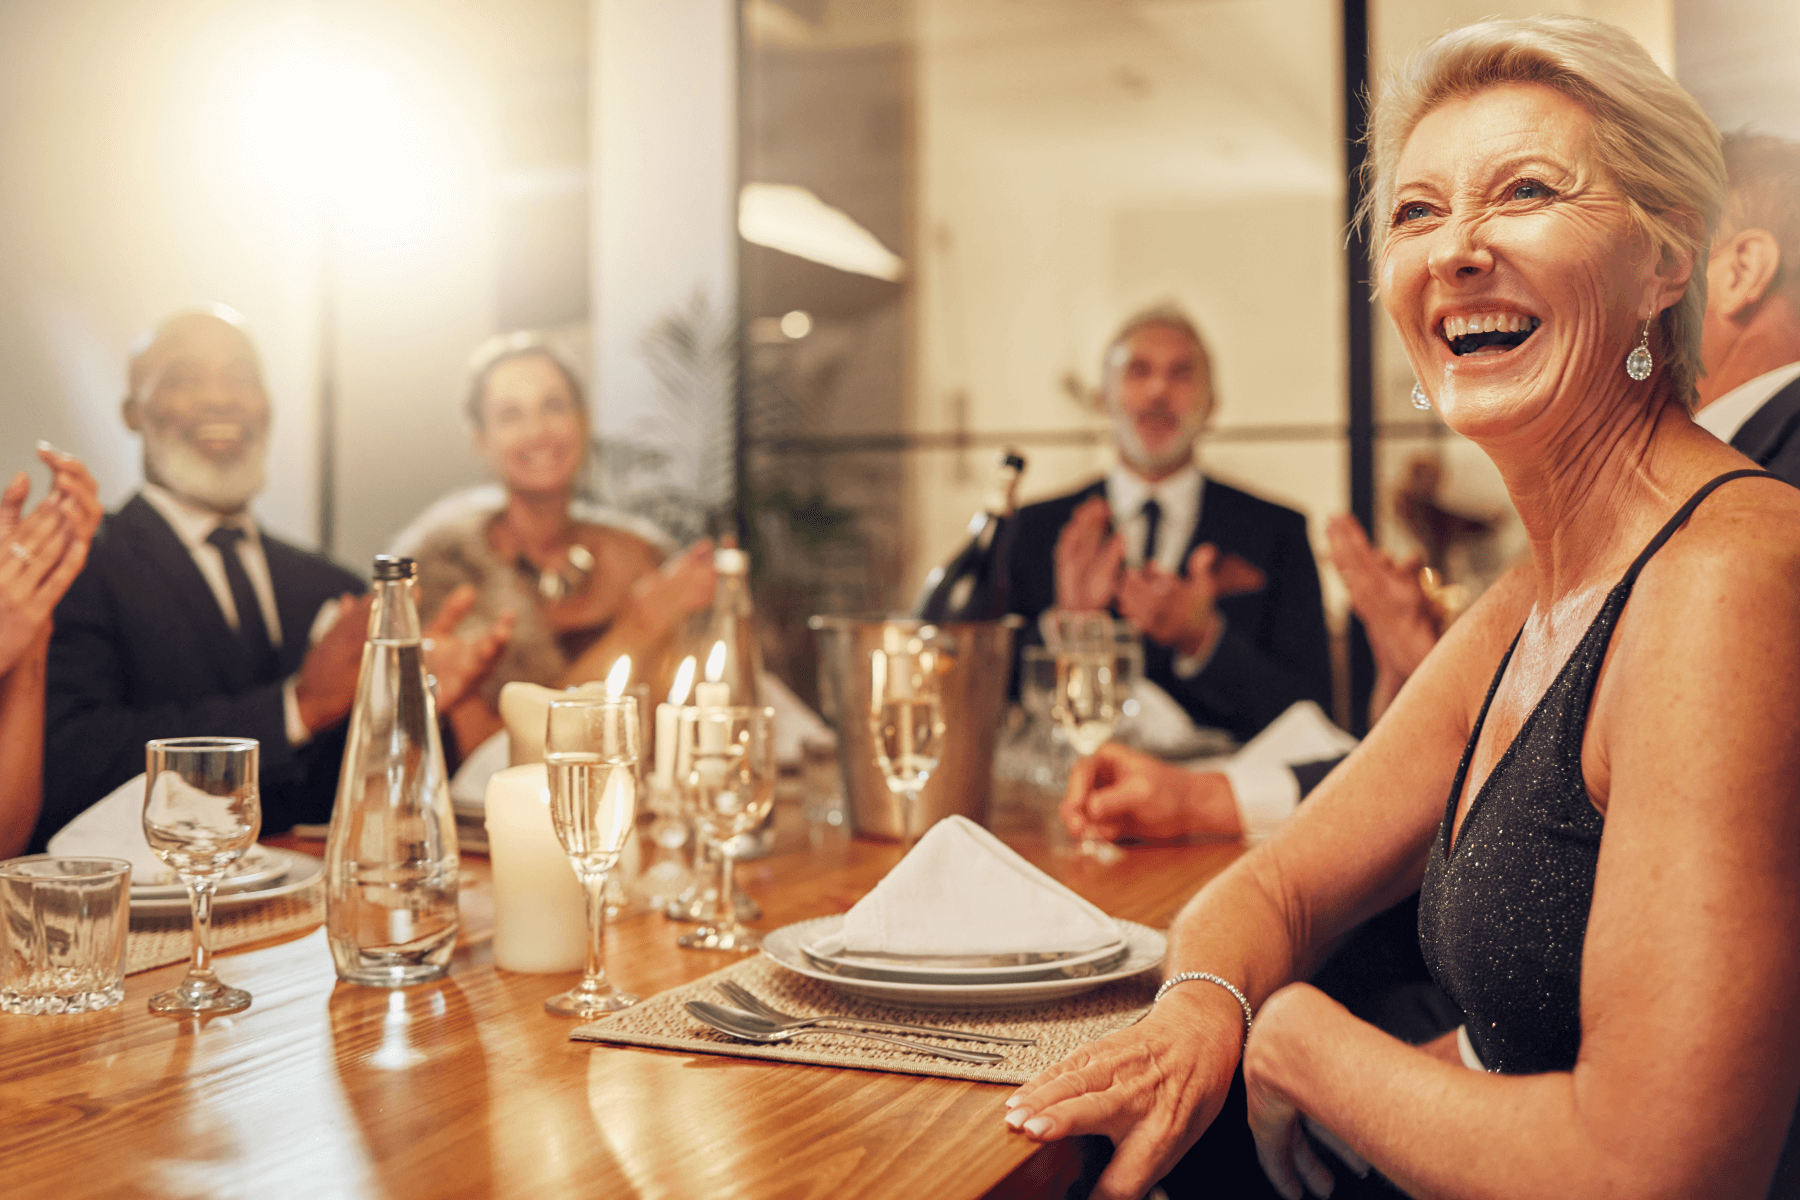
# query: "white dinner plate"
260,867
298,870
784,946
1006,968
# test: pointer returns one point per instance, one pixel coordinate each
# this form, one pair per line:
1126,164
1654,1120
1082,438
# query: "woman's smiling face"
1511,267
532,428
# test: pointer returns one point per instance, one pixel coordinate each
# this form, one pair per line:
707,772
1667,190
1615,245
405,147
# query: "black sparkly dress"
1503,912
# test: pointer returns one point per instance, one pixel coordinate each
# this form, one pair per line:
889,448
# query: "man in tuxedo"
1750,336
1221,583
190,620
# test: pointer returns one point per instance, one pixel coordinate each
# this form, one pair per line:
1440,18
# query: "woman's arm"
22,745
1354,848
1690,1054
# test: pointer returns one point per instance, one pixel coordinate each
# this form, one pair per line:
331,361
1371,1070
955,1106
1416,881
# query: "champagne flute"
725,762
591,756
202,811
906,717
1086,700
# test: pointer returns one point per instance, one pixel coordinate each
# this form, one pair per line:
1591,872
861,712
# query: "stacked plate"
264,873
1002,981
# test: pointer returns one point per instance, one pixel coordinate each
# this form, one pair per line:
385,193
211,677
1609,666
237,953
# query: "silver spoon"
752,1028
747,1000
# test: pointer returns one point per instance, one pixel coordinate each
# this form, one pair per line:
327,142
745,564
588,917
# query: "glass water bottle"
390,861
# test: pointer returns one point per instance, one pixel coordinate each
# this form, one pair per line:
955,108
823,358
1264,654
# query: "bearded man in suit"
1222,584
189,619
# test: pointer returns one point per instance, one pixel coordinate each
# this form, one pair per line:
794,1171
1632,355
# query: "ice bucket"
974,700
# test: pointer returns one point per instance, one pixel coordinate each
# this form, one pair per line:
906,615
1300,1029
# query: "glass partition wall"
1007,182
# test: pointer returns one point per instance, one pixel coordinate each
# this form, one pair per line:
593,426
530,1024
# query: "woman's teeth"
1496,332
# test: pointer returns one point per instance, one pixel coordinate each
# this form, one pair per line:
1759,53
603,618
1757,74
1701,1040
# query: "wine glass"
725,763
906,717
202,811
591,757
1086,700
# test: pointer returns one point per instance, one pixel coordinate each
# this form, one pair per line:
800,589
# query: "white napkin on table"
113,827
962,891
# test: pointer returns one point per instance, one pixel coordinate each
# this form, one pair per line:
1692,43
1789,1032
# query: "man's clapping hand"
1177,611
1089,558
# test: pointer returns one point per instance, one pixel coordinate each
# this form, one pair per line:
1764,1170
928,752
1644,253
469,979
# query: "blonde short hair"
1167,314
1652,138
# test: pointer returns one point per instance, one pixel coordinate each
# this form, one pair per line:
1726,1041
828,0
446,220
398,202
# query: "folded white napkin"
113,827
961,891
469,784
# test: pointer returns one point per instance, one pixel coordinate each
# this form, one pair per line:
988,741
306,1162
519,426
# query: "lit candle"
667,716
618,677
540,914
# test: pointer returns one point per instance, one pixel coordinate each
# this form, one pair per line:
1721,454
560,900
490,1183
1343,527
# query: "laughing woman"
1594,775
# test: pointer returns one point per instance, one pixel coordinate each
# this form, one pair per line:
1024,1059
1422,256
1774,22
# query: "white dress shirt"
1179,497
193,524
1726,415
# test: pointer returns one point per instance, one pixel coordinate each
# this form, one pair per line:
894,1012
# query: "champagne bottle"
729,674
972,585
391,861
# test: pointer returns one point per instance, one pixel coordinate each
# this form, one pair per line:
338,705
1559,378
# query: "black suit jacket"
141,650
1769,435
1274,650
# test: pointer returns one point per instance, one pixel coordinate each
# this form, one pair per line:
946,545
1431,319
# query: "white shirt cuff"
1186,666
1266,796
297,732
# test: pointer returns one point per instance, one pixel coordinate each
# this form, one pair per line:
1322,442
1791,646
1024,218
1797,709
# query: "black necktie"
1152,520
252,631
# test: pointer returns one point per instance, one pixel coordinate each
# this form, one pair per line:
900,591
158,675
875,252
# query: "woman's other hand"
459,663
1152,1088
682,586
1118,793
1287,1020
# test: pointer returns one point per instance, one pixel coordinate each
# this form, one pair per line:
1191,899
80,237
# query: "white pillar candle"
540,913
667,716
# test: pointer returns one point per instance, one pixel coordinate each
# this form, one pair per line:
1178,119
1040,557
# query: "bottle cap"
731,560
1010,457
388,568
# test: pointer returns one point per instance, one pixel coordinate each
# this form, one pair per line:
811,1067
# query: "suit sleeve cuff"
1266,796
1186,666
297,732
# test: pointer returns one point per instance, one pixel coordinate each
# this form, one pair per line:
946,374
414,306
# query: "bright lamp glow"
348,139
791,219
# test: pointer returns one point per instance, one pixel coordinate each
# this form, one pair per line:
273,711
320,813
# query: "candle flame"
684,682
715,662
618,677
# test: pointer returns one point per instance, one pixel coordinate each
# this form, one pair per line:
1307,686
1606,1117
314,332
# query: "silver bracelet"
1190,976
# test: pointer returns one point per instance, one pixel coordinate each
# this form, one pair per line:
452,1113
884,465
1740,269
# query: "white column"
664,130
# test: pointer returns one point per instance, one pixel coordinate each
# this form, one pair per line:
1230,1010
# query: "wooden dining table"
467,1087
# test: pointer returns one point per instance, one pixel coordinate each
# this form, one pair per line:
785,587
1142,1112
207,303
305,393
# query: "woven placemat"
157,941
660,1022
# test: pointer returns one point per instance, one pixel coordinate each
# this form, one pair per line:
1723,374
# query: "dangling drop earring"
1639,362
1420,400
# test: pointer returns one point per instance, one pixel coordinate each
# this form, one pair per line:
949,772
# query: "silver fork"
750,1027
746,999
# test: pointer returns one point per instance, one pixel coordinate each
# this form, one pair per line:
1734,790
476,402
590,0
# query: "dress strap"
1682,514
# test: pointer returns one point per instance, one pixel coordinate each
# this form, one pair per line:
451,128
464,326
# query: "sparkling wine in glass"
202,811
906,717
1088,691
591,757
725,765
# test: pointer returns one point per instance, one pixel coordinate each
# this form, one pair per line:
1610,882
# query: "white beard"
225,488
1132,450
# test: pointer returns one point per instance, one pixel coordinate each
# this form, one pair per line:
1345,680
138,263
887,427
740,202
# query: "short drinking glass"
202,811
62,933
591,753
725,767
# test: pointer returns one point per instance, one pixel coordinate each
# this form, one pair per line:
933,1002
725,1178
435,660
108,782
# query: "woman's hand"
684,585
458,663
1283,1028
43,552
1152,1088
